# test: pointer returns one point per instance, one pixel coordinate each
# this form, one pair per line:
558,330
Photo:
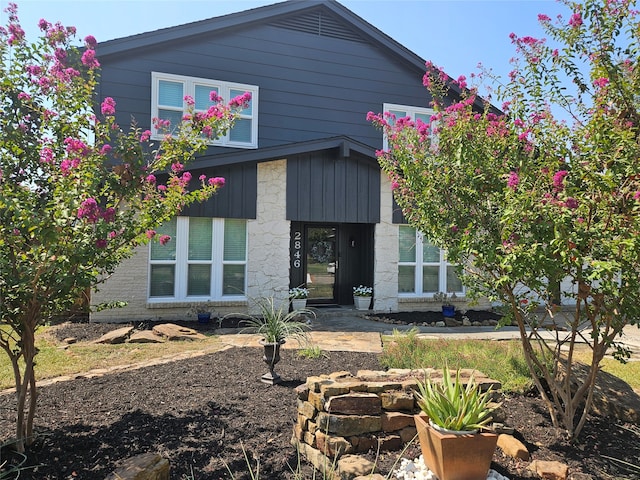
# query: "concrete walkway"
346,329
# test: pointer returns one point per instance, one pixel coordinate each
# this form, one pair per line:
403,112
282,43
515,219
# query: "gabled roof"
326,17
345,145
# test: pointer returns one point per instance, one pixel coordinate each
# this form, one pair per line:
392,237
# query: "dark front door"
330,259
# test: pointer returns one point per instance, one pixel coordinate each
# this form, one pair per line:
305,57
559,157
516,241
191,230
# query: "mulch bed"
202,412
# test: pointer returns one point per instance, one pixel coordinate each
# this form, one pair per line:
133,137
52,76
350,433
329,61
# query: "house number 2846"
297,249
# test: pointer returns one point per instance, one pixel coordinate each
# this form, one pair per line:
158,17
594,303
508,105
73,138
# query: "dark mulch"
200,413
432,317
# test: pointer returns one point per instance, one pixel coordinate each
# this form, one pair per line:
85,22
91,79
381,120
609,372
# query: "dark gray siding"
311,86
324,187
237,199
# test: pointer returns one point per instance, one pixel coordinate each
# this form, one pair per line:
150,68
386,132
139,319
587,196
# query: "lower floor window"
423,268
205,258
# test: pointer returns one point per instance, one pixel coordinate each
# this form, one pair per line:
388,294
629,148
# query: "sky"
453,34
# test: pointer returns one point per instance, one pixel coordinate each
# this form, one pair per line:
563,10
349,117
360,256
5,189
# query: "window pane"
202,97
241,131
430,279
233,280
170,94
453,281
168,251
406,279
398,114
425,117
175,118
430,253
199,280
162,281
407,244
200,238
235,240
245,111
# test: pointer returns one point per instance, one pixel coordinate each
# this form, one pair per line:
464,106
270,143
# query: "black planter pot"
271,357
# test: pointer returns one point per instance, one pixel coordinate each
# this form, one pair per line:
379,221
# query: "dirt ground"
200,414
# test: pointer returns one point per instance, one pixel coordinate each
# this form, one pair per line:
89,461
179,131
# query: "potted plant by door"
450,428
276,324
362,297
298,297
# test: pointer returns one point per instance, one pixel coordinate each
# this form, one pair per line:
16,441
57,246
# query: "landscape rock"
513,447
70,340
171,331
549,470
147,466
119,335
352,466
145,336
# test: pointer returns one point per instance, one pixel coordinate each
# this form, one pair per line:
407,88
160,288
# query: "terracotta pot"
455,457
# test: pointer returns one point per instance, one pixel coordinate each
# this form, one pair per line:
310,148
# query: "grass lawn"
53,361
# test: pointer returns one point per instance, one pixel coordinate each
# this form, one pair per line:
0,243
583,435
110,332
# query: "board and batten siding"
324,187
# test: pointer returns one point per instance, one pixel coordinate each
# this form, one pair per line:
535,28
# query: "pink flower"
90,41
164,239
46,155
186,177
202,178
101,243
189,100
177,167
636,196
43,25
571,203
150,234
241,100
214,97
109,215
558,179
217,181
162,188
513,181
112,234
145,136
106,148
24,96
576,20
89,59
108,106
89,209
543,18
151,178
601,82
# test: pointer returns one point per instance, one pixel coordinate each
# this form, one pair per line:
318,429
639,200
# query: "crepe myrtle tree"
523,201
77,193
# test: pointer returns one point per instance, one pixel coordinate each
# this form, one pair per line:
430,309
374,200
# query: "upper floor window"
403,111
423,268
167,103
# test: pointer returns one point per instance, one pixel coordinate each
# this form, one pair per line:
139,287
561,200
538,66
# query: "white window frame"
418,265
182,262
410,111
224,89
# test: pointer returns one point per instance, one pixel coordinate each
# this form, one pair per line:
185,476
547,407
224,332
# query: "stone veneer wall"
386,256
269,234
341,414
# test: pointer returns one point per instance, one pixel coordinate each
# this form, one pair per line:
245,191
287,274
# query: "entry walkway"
346,329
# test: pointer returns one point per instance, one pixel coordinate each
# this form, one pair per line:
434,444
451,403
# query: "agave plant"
275,323
453,406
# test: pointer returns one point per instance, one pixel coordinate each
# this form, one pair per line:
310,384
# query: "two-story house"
305,201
